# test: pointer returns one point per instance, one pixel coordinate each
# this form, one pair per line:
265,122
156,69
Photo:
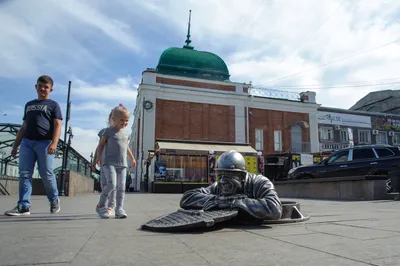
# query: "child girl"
114,141
103,180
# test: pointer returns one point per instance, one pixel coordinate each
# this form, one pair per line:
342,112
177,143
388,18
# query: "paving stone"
338,233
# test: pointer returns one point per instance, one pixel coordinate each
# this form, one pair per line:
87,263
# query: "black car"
354,161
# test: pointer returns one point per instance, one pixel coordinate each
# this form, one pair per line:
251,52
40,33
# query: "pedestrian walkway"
338,233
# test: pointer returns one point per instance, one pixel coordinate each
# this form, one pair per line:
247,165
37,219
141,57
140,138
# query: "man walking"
38,137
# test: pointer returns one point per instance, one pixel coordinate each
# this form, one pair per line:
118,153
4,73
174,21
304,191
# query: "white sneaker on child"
120,214
104,212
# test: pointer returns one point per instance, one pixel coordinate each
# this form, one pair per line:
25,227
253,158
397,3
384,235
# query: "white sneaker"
104,212
120,214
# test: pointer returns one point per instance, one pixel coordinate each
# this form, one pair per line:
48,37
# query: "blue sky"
103,49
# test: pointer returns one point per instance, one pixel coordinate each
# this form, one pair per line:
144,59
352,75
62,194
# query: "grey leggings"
116,179
103,183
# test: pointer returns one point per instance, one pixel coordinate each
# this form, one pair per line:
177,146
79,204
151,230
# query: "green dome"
188,62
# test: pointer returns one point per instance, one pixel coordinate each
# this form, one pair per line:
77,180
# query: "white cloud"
124,90
11,113
90,106
31,43
113,28
84,141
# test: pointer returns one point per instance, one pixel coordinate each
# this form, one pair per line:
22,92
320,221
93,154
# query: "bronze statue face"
230,183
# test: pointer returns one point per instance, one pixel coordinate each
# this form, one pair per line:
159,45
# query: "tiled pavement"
338,233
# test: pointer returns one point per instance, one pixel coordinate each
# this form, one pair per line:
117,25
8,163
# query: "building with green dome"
188,109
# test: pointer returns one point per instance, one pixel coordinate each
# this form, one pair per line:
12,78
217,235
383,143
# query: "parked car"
355,161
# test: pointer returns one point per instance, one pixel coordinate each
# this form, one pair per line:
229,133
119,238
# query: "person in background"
114,142
128,181
38,139
103,180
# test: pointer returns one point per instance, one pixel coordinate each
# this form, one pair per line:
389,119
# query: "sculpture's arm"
264,203
197,198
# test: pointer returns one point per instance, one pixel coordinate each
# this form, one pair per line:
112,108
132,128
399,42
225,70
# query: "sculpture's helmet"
230,161
231,172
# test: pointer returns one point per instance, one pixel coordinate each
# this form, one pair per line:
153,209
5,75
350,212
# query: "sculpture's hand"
211,204
224,203
237,196
219,203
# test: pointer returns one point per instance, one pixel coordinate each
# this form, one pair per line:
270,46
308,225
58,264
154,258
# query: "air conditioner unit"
391,133
337,127
375,132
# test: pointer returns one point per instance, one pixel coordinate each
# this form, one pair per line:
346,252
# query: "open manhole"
290,214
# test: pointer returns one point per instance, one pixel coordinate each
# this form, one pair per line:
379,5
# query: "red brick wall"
194,121
270,120
195,84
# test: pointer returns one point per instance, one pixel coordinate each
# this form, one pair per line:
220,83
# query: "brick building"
189,97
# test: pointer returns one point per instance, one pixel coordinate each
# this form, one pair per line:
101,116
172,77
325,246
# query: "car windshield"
339,157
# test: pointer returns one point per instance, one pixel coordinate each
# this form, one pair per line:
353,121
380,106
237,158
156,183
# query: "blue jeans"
31,151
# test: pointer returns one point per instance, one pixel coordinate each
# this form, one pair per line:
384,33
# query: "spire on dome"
188,41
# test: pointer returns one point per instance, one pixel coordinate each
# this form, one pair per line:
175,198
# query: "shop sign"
385,123
334,146
160,170
340,119
306,159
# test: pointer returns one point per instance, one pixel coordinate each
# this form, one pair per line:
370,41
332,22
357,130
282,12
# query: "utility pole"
65,147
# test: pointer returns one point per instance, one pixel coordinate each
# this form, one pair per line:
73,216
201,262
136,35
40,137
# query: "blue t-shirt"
39,117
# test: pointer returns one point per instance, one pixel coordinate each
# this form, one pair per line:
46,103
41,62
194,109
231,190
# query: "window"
339,157
259,139
179,168
362,154
381,138
396,139
277,140
383,152
326,133
364,136
344,135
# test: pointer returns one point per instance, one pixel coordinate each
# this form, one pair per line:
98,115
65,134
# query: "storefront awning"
200,148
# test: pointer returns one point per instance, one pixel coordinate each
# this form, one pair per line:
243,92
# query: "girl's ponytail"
110,121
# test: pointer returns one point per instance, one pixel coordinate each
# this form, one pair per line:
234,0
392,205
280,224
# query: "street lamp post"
70,136
65,149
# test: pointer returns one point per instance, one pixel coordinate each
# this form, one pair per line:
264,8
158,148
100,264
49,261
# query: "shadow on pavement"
217,227
49,218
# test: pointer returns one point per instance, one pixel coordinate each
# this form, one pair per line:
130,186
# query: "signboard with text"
340,119
333,146
386,123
